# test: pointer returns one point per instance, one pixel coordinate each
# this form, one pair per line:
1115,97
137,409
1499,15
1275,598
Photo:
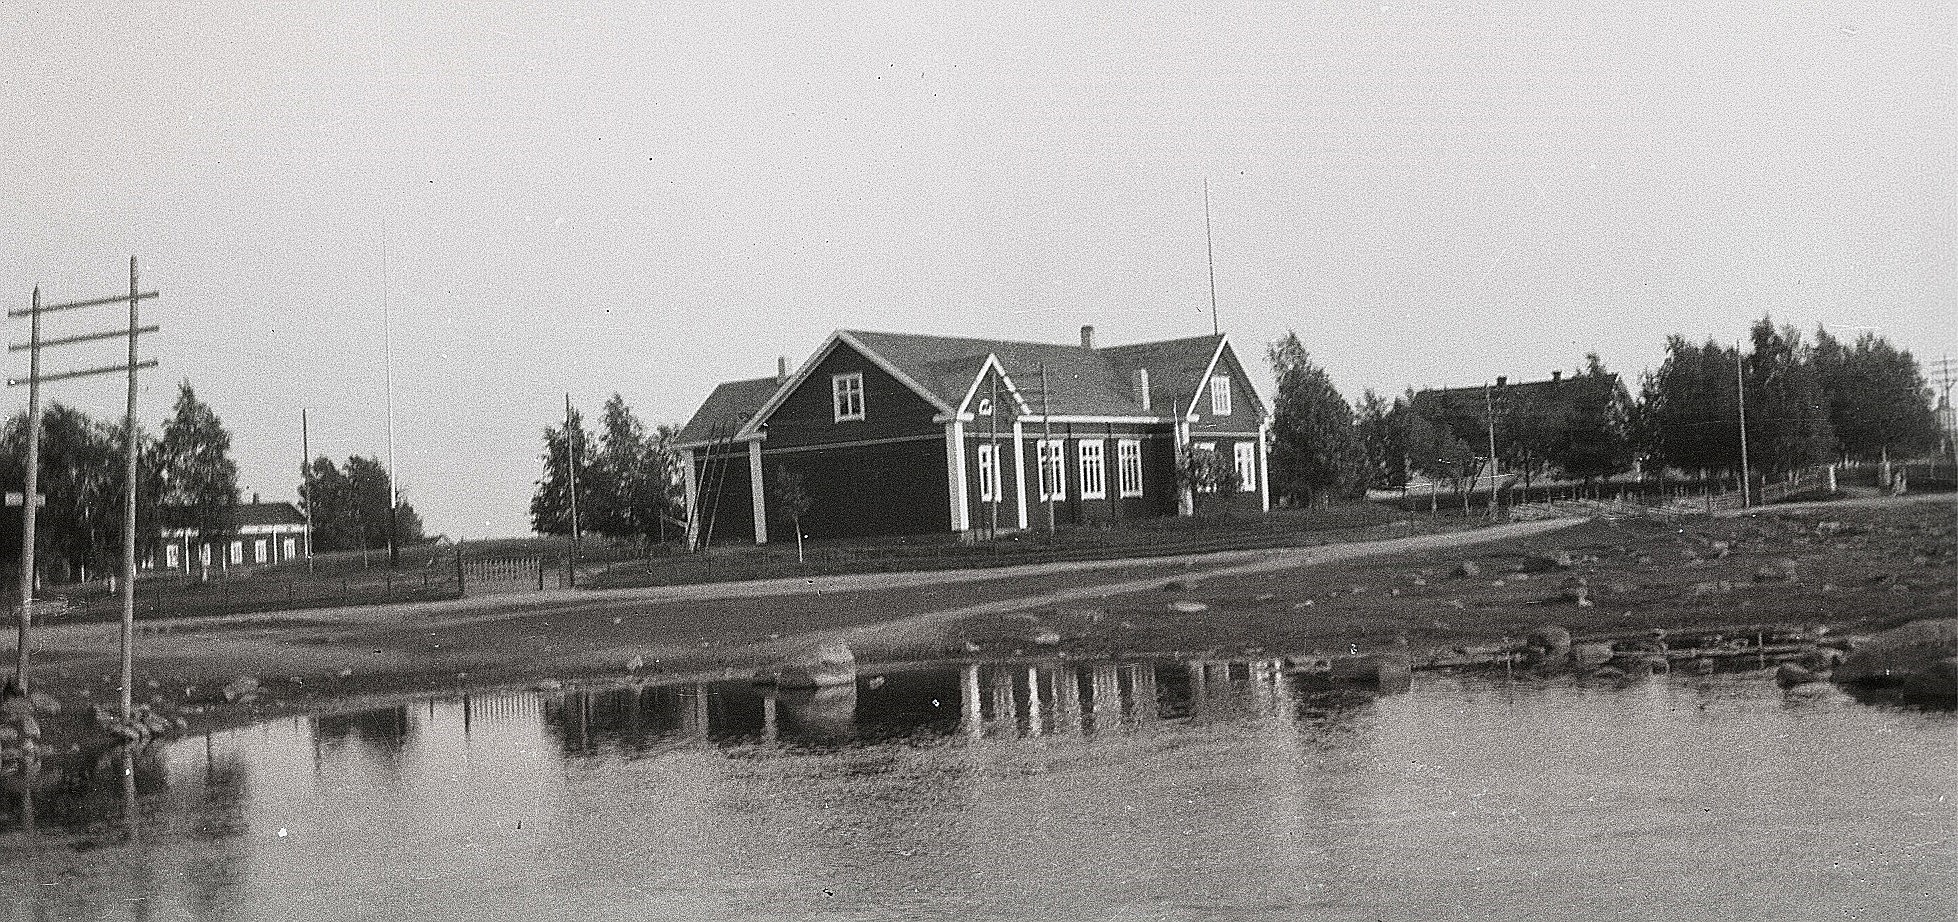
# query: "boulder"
1789,675
1919,659
239,688
1590,654
1551,640
1467,569
820,666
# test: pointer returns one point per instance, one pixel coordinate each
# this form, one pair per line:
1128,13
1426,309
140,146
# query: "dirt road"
1853,564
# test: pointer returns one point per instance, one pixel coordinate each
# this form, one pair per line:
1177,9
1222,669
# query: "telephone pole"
1489,407
30,498
571,477
1740,388
306,482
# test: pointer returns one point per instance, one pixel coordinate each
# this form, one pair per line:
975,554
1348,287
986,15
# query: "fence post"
461,588
540,574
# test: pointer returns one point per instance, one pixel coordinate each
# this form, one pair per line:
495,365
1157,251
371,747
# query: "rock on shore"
1919,659
821,666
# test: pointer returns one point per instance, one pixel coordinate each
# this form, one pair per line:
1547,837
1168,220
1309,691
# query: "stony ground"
1856,567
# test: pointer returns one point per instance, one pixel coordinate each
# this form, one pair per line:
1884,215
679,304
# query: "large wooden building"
894,434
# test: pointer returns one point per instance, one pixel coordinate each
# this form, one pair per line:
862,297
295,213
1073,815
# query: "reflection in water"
1176,789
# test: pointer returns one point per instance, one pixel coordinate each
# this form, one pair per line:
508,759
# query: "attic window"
1220,395
846,393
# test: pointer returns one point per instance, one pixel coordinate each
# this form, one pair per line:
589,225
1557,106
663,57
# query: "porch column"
687,479
955,475
1019,475
756,491
1264,465
1186,502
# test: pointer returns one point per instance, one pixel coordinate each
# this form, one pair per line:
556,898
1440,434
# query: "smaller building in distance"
897,434
1571,425
262,533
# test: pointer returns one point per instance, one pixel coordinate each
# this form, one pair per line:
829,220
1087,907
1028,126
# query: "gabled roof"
267,514
1177,368
943,370
727,409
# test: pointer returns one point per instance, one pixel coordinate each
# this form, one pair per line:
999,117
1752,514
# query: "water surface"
1161,790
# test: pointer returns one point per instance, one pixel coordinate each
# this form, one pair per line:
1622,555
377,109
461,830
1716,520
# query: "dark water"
1138,791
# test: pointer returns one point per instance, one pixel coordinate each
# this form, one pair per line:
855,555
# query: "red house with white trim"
894,434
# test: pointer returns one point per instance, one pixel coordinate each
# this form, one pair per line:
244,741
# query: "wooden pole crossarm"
43,379
71,305
83,338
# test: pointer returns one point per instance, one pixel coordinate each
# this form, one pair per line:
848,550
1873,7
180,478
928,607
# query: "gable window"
1053,470
1220,395
1094,480
1128,462
1205,448
846,394
1246,456
989,473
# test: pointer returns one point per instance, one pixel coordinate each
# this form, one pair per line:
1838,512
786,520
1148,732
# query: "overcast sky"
649,198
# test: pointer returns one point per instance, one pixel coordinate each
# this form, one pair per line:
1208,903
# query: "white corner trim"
757,493
1020,474
955,481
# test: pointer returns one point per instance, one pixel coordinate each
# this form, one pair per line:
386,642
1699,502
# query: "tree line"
186,478
628,477
1807,402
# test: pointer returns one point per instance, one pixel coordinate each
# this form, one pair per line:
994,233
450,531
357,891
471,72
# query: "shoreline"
1852,568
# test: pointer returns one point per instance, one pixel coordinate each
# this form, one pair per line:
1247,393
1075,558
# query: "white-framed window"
237,552
1094,472
989,473
1220,395
289,548
1052,454
172,556
1208,448
846,394
1128,463
259,548
1246,456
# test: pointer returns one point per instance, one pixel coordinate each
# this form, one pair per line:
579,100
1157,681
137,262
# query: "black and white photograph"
1162,461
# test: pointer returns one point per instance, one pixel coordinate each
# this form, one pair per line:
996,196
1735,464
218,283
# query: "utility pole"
306,482
1047,454
387,383
571,476
1210,256
1489,407
1740,388
30,498
30,489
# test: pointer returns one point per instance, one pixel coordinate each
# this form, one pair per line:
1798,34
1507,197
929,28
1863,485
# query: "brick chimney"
1502,381
1556,376
1142,387
1087,337
781,368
